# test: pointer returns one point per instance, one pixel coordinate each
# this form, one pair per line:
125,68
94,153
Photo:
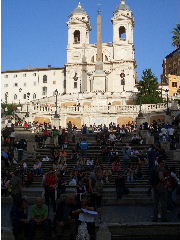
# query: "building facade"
21,86
77,76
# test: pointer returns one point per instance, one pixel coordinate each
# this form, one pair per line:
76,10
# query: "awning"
41,120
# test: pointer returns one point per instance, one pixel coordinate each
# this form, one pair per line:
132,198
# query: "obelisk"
99,64
99,80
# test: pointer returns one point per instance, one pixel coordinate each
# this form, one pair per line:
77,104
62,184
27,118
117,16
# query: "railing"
134,109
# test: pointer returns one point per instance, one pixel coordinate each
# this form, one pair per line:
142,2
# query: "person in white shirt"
87,215
171,133
164,131
112,137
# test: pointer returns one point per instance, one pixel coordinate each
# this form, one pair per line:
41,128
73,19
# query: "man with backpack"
159,185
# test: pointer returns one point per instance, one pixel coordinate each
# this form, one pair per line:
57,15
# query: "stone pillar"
56,122
103,233
140,121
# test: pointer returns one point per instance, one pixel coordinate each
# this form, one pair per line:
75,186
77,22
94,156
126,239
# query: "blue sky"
34,32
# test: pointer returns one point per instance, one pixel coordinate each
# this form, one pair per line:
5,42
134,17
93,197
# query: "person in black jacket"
120,186
19,219
64,220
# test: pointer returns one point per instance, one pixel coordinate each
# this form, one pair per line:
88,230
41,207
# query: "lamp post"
56,115
140,114
6,97
20,90
122,75
27,111
167,101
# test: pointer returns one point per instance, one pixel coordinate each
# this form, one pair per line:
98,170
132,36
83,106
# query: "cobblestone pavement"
111,214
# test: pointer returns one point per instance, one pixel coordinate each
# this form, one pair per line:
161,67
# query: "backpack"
154,178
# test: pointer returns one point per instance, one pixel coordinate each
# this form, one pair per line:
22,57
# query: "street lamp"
6,96
140,114
122,75
167,101
56,115
27,111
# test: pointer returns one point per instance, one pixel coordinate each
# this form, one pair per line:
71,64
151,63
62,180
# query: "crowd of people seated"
89,174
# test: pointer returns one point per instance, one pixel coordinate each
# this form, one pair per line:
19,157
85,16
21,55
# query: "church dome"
79,10
122,6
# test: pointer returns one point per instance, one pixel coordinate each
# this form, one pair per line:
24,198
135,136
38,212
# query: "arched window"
122,33
77,37
15,96
44,91
34,96
44,79
75,80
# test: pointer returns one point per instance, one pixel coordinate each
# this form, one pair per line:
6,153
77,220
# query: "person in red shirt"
50,185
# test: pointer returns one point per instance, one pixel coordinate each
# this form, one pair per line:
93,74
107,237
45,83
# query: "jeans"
38,171
50,195
160,199
20,155
46,225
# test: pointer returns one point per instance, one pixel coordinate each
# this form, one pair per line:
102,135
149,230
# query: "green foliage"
176,36
148,89
9,108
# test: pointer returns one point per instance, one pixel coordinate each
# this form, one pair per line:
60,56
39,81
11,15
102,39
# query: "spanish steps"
137,190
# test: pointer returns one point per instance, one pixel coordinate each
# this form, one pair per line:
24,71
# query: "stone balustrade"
146,108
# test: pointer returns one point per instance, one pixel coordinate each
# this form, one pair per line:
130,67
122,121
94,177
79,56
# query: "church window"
34,96
122,33
92,59
44,79
75,80
15,96
24,96
174,84
77,37
44,91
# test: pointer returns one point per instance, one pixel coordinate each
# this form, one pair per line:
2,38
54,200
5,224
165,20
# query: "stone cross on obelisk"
99,81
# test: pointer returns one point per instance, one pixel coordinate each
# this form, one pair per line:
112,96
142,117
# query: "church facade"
96,85
77,76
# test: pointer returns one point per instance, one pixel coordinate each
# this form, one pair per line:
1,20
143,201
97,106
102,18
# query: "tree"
148,89
176,36
10,108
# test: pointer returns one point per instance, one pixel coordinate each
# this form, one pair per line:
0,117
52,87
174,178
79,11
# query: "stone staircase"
137,190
